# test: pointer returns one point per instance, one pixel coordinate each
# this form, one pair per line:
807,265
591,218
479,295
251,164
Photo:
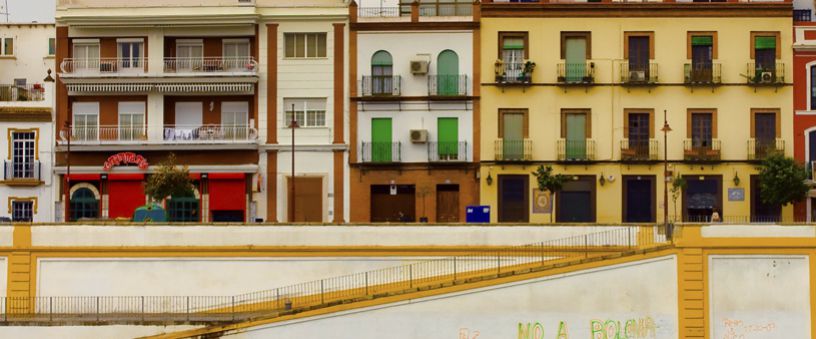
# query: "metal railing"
380,85
447,151
702,74
576,73
106,66
445,9
110,134
760,149
398,280
513,150
639,150
378,12
701,150
447,85
241,64
638,74
32,92
800,15
382,152
576,150
514,72
208,133
24,171
773,74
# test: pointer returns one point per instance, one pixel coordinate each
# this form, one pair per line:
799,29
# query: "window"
764,50
813,87
638,130
305,45
575,129
183,209
84,204
447,73
20,82
765,128
236,54
22,210
639,51
309,112
382,147
23,154
513,129
382,68
702,129
131,53
52,46
576,48
235,119
513,50
86,54
702,50
131,121
8,46
189,54
85,121
448,138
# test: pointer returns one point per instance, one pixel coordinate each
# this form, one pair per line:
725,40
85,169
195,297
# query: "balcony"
103,67
15,93
513,150
801,15
702,74
381,152
380,85
576,73
759,75
576,150
514,73
209,134
760,149
378,12
243,65
447,151
701,150
22,173
639,75
442,8
639,150
447,85
171,134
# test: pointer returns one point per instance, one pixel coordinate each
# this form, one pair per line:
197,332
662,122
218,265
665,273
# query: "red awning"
84,177
126,177
124,196
223,176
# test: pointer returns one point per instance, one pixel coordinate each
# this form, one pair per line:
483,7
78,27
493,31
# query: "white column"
155,117
155,50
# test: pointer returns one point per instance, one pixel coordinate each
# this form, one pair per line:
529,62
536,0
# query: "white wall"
3,276
88,332
307,163
607,296
759,296
31,60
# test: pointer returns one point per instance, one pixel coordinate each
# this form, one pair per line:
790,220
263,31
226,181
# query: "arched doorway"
447,69
382,70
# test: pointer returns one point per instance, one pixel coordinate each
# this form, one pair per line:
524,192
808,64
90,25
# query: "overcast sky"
29,10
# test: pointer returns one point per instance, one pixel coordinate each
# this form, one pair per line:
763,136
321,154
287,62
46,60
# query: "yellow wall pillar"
19,290
691,293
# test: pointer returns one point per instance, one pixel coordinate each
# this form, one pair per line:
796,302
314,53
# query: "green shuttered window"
765,42
702,40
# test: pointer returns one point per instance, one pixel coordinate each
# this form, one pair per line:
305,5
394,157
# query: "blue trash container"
477,214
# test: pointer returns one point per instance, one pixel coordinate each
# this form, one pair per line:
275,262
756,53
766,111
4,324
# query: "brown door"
308,199
514,203
393,204
447,203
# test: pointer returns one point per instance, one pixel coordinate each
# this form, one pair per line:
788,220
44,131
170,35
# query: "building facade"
26,120
138,84
586,91
414,110
804,97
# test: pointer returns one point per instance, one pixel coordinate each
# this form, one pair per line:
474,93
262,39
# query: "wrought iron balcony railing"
378,12
447,85
759,149
103,66
702,74
576,150
576,73
801,15
32,92
242,64
381,152
380,85
441,8
447,151
510,73
639,150
21,170
772,74
638,74
513,150
701,149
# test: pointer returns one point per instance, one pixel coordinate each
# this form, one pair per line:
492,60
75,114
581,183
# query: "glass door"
638,58
639,134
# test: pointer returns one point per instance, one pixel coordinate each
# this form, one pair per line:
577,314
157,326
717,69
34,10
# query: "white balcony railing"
211,65
171,134
103,66
208,134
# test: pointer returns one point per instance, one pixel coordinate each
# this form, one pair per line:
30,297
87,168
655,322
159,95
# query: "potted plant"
527,71
498,67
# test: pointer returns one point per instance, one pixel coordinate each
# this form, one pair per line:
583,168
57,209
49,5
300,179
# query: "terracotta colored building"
804,97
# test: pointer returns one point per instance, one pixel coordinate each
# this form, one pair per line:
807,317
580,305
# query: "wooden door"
447,203
639,133
639,56
393,206
514,203
308,199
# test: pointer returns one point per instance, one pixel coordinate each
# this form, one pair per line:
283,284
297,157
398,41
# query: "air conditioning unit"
419,67
637,76
766,77
419,136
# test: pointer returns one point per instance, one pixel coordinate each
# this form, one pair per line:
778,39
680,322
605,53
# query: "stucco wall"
759,296
31,60
646,306
87,332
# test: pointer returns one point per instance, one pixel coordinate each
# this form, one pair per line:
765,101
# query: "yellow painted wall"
733,100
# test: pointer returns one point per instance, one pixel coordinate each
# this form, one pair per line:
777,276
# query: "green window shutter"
381,139
702,40
513,43
447,69
765,42
448,136
381,58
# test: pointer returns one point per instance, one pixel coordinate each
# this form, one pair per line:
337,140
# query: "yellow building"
584,87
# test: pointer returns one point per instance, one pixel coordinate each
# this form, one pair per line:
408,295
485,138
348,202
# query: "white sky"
29,10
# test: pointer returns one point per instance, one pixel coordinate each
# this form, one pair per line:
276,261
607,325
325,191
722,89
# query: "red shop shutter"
227,194
125,194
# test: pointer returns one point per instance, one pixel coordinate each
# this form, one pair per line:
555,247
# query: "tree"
782,180
547,181
169,180
678,185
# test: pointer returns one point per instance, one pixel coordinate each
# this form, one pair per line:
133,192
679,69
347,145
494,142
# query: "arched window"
84,204
183,208
447,73
382,67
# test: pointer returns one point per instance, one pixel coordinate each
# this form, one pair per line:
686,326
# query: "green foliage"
547,181
678,184
169,180
782,180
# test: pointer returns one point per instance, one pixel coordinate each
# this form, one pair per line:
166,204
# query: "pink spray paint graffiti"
738,329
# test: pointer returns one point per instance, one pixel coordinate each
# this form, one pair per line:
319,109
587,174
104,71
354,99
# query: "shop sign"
125,158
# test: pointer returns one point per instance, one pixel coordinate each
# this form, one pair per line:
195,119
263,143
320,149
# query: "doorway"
514,198
702,196
447,203
638,198
308,199
393,203
576,200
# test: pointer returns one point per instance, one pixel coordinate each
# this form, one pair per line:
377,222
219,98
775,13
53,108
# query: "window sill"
49,56
8,57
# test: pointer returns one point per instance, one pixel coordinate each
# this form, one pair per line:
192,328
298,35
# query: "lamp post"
666,129
293,125
67,185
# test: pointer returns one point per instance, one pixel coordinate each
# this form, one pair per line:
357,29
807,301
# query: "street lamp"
666,129
67,187
293,125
